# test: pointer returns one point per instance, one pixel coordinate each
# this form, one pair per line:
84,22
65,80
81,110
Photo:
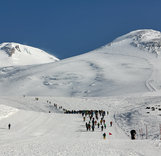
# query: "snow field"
122,77
35,131
6,111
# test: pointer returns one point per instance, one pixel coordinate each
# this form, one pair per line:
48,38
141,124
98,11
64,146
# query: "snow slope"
129,65
36,132
14,54
127,71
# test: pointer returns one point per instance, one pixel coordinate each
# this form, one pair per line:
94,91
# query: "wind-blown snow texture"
130,64
15,54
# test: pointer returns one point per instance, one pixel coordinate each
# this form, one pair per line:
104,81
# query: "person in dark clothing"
133,134
97,116
104,135
111,123
87,126
9,126
105,126
93,121
101,121
98,124
92,127
102,128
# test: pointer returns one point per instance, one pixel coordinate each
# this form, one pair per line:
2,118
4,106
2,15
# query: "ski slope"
36,132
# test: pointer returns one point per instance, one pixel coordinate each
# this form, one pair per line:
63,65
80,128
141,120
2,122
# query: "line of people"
94,121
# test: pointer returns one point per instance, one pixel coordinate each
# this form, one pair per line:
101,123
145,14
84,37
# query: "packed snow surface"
6,111
34,131
15,54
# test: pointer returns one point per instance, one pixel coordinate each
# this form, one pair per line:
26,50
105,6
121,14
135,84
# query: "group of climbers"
92,121
95,119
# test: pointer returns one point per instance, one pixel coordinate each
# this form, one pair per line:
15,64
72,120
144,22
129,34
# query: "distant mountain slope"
18,54
149,40
116,69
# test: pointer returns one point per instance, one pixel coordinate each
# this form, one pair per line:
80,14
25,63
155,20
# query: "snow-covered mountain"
12,54
148,40
130,64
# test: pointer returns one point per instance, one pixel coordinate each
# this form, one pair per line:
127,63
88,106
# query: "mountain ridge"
17,54
116,69
145,39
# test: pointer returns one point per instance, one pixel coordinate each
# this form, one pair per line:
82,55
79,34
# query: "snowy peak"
146,39
10,48
18,54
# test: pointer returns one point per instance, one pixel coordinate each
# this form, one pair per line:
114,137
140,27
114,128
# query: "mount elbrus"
131,64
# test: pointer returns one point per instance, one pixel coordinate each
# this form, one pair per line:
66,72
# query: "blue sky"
68,28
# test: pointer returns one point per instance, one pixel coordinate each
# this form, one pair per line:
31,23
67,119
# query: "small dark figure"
104,135
101,121
92,127
111,123
102,128
98,124
97,117
92,122
87,126
133,133
105,126
9,126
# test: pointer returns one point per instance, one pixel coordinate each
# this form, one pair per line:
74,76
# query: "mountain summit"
18,54
146,39
128,65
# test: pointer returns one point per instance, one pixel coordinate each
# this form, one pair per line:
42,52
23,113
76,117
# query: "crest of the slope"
12,53
145,39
